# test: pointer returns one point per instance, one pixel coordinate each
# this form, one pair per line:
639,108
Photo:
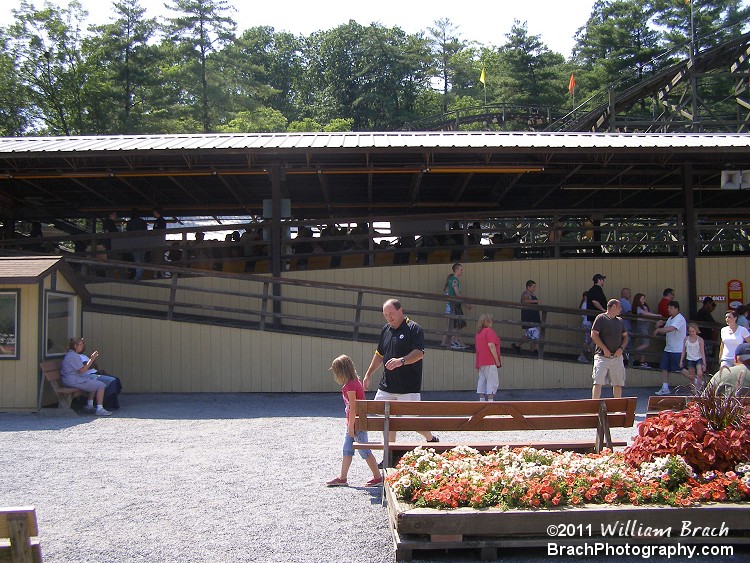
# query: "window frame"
73,320
16,294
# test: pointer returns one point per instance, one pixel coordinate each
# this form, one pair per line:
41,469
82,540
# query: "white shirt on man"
676,338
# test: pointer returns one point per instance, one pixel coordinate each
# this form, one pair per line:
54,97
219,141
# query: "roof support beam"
416,182
462,182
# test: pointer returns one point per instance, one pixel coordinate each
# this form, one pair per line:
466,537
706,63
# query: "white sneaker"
102,412
664,391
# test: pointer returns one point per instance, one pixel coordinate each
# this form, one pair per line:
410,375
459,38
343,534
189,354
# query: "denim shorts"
670,361
693,363
349,445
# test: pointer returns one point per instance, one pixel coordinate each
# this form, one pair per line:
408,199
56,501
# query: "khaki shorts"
386,396
608,371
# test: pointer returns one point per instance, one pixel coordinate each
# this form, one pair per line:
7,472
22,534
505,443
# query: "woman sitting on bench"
73,374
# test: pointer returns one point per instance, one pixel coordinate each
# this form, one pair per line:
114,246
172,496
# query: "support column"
691,238
275,236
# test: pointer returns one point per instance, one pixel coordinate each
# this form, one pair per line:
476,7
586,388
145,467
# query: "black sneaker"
434,439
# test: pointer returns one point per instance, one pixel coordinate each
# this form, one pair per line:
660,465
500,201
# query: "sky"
484,21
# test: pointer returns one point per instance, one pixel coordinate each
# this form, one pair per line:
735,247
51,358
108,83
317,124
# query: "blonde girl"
346,375
693,357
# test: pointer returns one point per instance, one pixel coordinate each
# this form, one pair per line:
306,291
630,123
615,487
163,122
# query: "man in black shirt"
596,301
400,351
708,334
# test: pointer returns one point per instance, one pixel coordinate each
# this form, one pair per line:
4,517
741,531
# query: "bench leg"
20,539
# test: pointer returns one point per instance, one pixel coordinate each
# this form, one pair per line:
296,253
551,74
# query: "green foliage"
339,125
15,108
126,71
262,120
200,28
305,125
617,45
192,74
532,73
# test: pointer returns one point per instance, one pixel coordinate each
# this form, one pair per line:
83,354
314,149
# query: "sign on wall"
735,294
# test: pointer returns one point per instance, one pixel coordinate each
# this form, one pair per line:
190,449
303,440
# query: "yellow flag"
482,77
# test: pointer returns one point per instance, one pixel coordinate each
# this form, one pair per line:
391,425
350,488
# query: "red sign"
735,294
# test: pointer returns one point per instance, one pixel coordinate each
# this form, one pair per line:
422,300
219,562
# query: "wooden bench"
463,416
660,403
65,395
19,535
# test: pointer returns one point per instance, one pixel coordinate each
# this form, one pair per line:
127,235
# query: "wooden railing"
347,316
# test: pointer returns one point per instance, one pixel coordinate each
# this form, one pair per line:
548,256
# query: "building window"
61,322
9,304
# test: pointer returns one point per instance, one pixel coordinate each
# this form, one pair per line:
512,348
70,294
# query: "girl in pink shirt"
345,374
488,359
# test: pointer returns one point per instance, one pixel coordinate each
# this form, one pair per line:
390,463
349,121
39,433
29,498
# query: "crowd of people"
400,352
617,334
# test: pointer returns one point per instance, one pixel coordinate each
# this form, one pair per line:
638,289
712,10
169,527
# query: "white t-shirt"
731,341
676,338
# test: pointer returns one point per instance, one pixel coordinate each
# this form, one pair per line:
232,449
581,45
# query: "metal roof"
330,175
389,140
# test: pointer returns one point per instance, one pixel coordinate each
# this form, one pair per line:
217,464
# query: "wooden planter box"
488,529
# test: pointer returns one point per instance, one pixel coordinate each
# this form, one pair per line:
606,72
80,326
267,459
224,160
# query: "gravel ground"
208,477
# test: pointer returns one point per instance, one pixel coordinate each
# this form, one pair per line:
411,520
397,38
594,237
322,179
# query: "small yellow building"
41,302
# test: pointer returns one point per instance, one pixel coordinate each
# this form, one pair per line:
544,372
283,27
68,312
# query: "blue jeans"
349,445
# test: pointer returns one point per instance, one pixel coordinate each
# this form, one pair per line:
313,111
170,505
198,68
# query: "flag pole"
483,80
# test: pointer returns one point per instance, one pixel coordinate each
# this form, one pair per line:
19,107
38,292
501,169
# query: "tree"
445,45
371,75
617,44
126,74
200,29
262,67
394,68
46,46
714,21
263,120
532,74
15,110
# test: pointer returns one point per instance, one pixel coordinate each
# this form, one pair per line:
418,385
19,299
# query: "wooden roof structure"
32,269
329,175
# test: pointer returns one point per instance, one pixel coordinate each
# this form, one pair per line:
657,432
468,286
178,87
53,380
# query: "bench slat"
457,408
574,445
497,416
497,424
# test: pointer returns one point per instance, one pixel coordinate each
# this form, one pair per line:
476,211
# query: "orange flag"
572,84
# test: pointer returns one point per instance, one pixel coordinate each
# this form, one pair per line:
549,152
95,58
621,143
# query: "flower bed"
684,480
529,478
